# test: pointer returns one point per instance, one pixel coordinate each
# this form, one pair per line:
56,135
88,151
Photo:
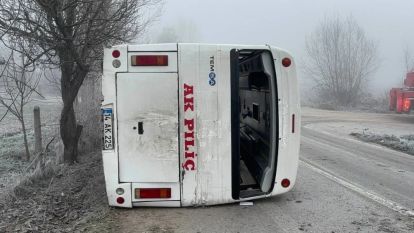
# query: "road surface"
343,185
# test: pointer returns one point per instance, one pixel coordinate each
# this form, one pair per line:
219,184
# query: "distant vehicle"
198,124
401,99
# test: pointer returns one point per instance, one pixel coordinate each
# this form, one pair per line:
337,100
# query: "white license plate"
108,143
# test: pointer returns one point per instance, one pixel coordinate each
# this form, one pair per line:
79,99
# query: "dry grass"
403,143
63,199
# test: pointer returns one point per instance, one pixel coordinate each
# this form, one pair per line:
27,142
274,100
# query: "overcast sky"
287,23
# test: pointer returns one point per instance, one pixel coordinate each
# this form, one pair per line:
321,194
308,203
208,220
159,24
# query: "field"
58,202
11,138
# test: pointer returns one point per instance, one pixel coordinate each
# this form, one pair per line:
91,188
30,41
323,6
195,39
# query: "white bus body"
198,124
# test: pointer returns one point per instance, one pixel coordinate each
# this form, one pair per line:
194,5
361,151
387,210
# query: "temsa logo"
189,142
212,74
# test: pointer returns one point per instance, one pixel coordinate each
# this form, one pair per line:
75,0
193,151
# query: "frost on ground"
11,139
67,199
404,143
390,130
72,199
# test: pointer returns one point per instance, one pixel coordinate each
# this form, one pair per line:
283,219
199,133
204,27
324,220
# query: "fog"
287,23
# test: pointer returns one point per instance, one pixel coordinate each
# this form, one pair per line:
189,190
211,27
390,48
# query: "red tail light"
116,53
152,193
286,62
285,183
120,200
406,105
149,60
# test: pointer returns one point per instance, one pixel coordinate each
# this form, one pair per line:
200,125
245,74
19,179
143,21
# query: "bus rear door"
147,116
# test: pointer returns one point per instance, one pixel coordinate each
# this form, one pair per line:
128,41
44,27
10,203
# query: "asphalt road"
343,186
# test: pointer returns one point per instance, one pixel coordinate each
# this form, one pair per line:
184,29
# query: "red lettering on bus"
189,124
188,90
188,163
190,154
189,139
188,104
189,134
188,143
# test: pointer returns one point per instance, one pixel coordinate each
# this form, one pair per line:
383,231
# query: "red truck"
402,99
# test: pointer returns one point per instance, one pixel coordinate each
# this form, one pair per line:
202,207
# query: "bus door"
254,123
147,115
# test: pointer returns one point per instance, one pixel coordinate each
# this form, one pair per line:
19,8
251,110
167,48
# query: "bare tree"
340,59
18,82
71,34
52,78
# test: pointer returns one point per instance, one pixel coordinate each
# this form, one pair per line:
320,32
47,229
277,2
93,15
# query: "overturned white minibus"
198,124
